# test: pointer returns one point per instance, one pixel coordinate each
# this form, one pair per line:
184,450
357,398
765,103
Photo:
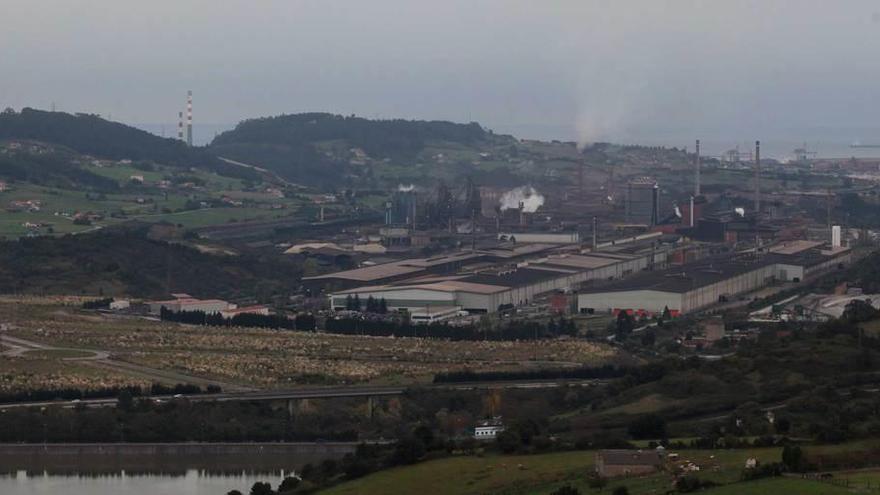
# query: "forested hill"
92,135
124,260
310,147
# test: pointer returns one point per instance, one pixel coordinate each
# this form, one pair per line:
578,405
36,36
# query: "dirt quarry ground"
245,356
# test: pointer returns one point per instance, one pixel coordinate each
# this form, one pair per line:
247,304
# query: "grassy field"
543,473
276,358
466,475
24,372
147,203
778,486
214,216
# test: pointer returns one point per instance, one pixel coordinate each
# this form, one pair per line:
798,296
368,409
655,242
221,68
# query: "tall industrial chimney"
835,236
758,177
697,176
692,211
189,118
595,232
180,126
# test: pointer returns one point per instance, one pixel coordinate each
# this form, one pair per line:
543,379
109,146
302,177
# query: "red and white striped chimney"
189,118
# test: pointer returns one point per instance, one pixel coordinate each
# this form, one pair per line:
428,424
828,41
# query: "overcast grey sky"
573,69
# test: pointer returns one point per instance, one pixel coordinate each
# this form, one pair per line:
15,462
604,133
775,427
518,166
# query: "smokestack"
189,118
758,177
692,208
595,232
180,126
522,214
697,176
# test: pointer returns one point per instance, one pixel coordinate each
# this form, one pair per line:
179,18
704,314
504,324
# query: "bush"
647,426
596,482
508,441
288,484
687,484
566,490
261,488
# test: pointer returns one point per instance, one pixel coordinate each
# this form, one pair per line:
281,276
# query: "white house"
488,429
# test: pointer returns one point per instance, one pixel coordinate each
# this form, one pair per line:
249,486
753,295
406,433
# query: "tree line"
303,321
40,395
638,374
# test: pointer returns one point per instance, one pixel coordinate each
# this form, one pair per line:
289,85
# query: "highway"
236,392
317,393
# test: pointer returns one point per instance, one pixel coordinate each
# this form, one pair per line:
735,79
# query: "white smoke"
405,187
527,195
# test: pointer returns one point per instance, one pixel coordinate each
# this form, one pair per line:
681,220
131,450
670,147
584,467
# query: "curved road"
104,360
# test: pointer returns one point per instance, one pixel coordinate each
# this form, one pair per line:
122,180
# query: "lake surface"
191,482
154,469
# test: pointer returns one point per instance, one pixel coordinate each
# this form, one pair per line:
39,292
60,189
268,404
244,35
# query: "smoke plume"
527,195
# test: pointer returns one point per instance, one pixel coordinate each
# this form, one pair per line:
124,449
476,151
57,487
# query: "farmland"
543,473
193,199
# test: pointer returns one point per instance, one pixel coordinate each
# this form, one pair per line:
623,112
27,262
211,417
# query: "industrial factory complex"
643,274
486,281
649,263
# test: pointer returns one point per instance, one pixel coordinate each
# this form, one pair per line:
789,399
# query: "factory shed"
394,271
696,286
682,289
421,297
599,266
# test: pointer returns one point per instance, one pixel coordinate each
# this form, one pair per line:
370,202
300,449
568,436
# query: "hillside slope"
94,136
125,261
321,148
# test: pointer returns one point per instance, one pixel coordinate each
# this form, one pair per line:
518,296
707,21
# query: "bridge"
302,393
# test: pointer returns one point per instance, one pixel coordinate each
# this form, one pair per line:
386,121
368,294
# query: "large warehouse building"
489,289
483,292
694,287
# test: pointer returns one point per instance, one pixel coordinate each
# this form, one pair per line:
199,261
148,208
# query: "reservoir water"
191,482
154,469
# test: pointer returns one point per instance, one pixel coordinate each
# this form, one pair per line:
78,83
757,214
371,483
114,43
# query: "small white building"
252,310
433,314
488,429
185,302
120,304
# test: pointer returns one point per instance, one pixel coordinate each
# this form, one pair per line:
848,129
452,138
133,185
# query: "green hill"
91,135
320,148
126,261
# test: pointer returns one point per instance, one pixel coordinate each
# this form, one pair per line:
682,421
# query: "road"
322,392
18,347
235,392
105,360
272,175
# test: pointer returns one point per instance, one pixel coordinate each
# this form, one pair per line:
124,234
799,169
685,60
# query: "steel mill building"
693,287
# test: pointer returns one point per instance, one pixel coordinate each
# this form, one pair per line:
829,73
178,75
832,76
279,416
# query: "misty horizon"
656,73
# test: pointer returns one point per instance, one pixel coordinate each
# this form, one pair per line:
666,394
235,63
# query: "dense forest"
92,135
125,261
287,143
